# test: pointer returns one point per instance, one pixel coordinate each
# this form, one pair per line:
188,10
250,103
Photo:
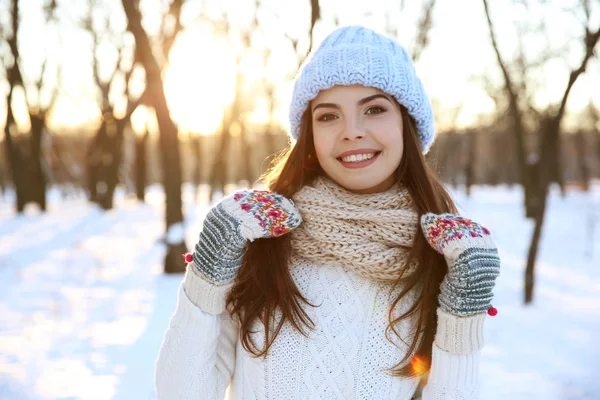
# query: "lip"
359,151
360,164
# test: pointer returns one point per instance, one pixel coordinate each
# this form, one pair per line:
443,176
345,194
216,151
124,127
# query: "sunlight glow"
142,119
200,81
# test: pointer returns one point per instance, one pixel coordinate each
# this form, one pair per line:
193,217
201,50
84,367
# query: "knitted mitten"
473,262
235,220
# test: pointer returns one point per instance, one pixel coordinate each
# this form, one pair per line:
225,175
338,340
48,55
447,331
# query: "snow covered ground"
84,306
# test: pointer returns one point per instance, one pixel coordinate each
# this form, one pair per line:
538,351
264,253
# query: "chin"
366,184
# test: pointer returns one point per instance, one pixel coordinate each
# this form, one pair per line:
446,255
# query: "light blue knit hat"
357,55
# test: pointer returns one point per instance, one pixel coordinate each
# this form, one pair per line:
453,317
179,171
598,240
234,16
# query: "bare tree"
14,77
104,154
516,115
234,115
26,157
169,140
536,176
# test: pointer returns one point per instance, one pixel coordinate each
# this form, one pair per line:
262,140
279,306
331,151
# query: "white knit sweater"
345,357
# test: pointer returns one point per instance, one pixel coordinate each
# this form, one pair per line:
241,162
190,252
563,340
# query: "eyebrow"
360,102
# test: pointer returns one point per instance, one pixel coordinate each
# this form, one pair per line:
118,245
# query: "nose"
353,130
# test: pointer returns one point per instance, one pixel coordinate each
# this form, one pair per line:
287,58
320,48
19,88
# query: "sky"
200,81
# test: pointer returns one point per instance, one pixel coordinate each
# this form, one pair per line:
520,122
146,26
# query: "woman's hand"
473,262
241,217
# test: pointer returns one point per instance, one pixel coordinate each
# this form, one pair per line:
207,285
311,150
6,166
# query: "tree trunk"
15,156
269,135
37,179
518,125
197,174
93,161
557,171
219,169
115,132
550,132
2,179
104,160
598,149
15,162
140,166
531,190
534,247
169,142
246,164
585,172
470,167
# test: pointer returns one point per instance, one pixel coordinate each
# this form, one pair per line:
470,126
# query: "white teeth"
358,157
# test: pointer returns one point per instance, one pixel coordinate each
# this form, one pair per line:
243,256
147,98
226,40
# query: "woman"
378,284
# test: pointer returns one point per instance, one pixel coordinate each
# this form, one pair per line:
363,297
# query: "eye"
326,117
375,110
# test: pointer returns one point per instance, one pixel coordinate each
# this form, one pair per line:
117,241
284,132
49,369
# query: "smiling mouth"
357,158
359,161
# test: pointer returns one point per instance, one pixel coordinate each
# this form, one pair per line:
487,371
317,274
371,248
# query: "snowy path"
84,305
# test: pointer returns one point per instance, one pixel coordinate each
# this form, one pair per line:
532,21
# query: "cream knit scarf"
370,234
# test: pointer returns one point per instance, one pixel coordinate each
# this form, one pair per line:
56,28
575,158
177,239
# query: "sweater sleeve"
454,373
197,356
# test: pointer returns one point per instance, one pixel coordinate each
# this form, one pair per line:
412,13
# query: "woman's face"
357,133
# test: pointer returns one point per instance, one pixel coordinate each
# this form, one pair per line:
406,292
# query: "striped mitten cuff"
220,247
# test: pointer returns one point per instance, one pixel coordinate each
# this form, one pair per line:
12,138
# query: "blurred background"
124,121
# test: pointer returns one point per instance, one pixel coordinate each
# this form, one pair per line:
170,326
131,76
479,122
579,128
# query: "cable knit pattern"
197,356
358,55
344,358
371,233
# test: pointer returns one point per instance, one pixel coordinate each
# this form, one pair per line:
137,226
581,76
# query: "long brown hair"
264,284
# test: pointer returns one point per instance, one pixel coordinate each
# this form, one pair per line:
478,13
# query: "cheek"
392,137
323,144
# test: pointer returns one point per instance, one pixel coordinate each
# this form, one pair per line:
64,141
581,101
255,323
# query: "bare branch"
513,104
294,42
509,84
314,17
424,29
172,17
590,40
105,84
14,74
586,9
87,24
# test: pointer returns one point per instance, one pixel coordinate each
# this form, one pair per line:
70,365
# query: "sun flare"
200,81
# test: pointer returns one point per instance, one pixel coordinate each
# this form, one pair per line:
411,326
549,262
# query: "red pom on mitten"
188,257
